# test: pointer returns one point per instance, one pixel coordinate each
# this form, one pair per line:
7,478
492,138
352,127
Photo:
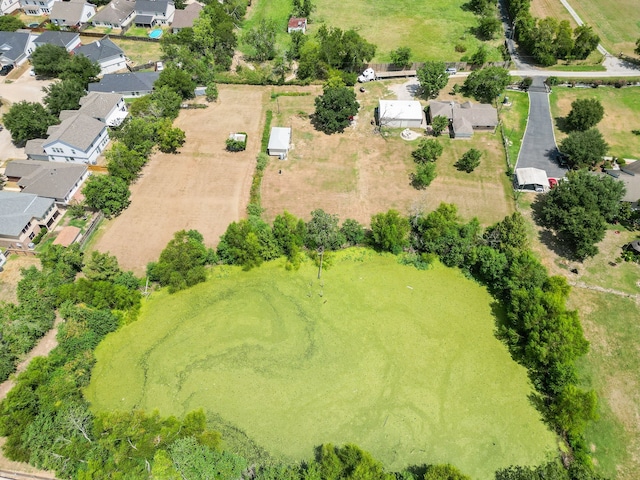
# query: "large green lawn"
431,29
400,361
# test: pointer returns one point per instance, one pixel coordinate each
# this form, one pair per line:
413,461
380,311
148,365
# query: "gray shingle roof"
59,39
99,104
70,12
13,44
35,147
467,113
78,131
100,50
116,12
46,179
126,82
152,6
185,18
17,209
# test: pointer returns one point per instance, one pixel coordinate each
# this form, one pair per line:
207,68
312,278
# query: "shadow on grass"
547,237
563,124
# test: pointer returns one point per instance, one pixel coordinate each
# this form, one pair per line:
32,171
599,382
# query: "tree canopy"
390,231
63,95
334,109
28,120
485,85
585,113
584,149
107,193
432,78
49,60
578,210
429,150
469,160
9,23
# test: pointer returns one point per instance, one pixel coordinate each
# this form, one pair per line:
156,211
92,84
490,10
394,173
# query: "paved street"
539,144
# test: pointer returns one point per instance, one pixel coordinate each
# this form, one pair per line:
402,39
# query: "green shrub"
38,238
234,145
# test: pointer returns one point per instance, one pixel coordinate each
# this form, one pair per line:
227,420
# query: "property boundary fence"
12,475
91,228
390,67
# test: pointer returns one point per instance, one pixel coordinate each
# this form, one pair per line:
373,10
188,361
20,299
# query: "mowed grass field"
359,173
621,115
617,23
400,361
431,29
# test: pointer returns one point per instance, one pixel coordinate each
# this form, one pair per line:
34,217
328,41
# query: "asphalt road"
539,144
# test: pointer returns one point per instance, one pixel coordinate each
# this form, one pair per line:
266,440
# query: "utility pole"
321,252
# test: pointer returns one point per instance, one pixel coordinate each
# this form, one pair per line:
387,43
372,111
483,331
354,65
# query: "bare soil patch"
10,276
204,187
358,173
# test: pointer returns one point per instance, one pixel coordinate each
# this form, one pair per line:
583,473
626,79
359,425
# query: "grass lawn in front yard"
621,115
431,29
514,121
360,172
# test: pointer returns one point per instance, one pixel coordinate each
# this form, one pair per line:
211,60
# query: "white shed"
279,142
533,179
400,113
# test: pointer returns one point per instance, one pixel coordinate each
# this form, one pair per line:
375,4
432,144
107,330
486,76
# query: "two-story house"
130,85
68,40
15,47
105,53
9,6
71,14
154,12
22,215
118,14
79,138
37,7
109,108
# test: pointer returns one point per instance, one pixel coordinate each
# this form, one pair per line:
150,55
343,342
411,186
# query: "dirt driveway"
204,187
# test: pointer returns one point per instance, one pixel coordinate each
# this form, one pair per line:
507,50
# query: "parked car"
451,71
5,70
553,182
159,66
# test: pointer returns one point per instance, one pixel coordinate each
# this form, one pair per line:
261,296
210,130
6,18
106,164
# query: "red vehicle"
553,182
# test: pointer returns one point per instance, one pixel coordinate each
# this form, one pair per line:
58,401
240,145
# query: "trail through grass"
401,362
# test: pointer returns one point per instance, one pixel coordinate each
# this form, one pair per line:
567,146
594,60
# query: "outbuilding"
279,142
400,114
533,179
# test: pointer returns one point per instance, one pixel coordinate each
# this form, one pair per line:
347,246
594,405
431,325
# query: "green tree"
138,134
352,231
49,60
211,92
585,113
263,40
401,57
26,121
480,56
444,472
302,8
584,149
196,461
334,109
101,267
170,138
469,160
323,231
298,39
425,174
63,95
106,193
438,124
344,50
310,65
508,234
81,69
564,40
485,85
290,232
429,150
9,23
489,25
390,231
432,78
637,49
178,80
578,210
585,41
123,162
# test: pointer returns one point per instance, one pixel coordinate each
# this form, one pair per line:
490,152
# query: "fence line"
390,67
92,226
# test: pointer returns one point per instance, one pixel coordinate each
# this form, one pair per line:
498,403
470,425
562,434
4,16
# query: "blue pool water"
155,33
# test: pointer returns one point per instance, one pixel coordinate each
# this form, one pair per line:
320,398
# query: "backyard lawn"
431,29
400,361
621,115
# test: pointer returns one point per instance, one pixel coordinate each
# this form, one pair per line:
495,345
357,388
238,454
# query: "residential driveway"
539,144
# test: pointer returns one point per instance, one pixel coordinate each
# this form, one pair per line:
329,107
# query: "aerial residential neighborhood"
311,239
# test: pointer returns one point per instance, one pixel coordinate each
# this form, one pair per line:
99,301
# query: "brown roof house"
297,25
116,14
464,118
185,18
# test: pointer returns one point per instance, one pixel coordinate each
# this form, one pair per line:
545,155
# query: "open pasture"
402,362
359,173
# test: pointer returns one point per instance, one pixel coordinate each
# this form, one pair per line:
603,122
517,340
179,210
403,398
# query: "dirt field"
359,173
203,187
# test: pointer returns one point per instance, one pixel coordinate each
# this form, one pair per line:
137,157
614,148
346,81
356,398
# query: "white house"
105,53
15,47
400,113
68,40
22,215
116,14
109,108
72,13
8,6
279,142
37,7
150,13
79,138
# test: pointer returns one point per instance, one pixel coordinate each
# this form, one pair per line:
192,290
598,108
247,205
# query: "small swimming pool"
155,33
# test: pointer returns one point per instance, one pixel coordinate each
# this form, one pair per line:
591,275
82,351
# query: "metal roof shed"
279,142
400,113
532,179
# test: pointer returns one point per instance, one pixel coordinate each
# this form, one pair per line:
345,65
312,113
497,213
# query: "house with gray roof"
79,138
185,18
71,14
150,13
15,47
68,40
109,108
59,181
464,118
629,174
118,14
9,6
23,215
130,85
105,53
37,7
34,149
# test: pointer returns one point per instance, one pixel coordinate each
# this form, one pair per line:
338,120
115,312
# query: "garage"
400,114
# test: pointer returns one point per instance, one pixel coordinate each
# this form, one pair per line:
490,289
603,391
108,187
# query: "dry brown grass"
359,173
551,8
10,275
204,187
